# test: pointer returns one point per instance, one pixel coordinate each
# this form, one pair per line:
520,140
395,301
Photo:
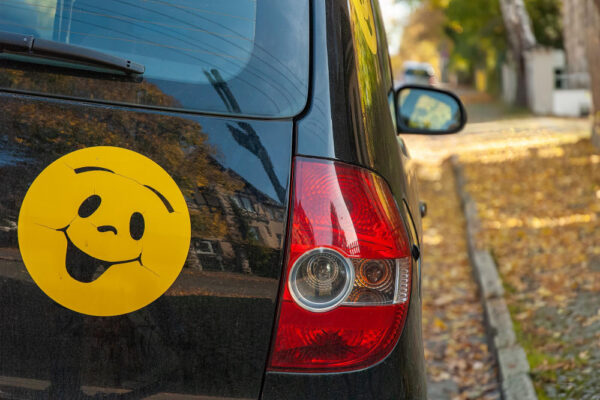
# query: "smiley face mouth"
85,268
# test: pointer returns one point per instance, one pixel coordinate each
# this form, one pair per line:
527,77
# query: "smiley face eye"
136,225
89,206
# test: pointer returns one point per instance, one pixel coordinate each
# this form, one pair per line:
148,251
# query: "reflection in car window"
176,40
417,72
247,57
373,80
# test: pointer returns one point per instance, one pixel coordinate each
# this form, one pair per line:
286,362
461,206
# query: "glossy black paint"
333,127
209,334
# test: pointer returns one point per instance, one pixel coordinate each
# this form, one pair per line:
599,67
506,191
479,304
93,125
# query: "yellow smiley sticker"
104,231
364,14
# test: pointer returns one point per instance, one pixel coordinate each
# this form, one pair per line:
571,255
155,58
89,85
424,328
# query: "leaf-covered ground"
540,216
459,363
536,183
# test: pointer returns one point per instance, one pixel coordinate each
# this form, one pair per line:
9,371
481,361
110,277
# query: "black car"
208,200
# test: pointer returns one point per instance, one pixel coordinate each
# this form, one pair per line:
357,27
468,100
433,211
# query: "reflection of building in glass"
253,228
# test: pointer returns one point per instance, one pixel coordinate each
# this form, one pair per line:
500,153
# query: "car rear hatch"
188,162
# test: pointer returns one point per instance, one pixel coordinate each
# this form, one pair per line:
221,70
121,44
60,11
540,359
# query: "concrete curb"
512,362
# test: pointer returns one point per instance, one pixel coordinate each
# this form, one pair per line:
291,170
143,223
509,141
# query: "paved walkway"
459,363
536,182
515,135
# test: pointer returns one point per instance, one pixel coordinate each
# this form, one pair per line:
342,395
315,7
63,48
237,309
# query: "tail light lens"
348,271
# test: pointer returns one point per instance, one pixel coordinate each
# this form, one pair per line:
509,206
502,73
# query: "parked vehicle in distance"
419,73
209,202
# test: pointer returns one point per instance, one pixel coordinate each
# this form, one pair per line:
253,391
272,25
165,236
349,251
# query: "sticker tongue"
83,267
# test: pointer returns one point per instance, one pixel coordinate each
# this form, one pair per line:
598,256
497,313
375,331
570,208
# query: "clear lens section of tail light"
321,279
348,275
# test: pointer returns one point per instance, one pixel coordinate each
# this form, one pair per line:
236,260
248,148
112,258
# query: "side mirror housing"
428,110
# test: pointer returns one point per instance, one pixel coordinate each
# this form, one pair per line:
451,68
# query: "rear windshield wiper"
18,43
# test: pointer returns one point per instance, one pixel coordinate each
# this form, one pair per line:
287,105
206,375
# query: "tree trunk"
521,39
575,43
593,57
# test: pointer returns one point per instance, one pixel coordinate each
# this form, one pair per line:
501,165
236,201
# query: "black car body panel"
333,128
210,333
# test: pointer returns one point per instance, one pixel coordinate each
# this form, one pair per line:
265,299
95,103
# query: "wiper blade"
19,43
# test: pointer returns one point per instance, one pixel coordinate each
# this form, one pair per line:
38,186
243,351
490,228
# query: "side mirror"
427,110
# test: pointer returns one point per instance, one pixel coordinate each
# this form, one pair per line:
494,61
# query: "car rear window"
245,57
417,72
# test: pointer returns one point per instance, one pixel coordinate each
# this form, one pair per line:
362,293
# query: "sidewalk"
536,182
459,363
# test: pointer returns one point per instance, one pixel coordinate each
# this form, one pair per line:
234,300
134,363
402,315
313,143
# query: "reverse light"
321,279
348,272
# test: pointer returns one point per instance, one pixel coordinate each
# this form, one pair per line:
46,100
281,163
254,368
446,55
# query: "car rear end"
301,278
214,109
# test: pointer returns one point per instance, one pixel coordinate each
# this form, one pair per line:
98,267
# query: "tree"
477,32
582,46
575,39
521,39
546,19
593,56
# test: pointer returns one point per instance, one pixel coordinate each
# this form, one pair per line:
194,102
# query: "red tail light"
348,271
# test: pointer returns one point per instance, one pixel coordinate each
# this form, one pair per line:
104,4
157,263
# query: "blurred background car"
420,73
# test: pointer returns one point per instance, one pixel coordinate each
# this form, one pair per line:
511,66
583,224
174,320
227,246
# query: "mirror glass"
428,110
